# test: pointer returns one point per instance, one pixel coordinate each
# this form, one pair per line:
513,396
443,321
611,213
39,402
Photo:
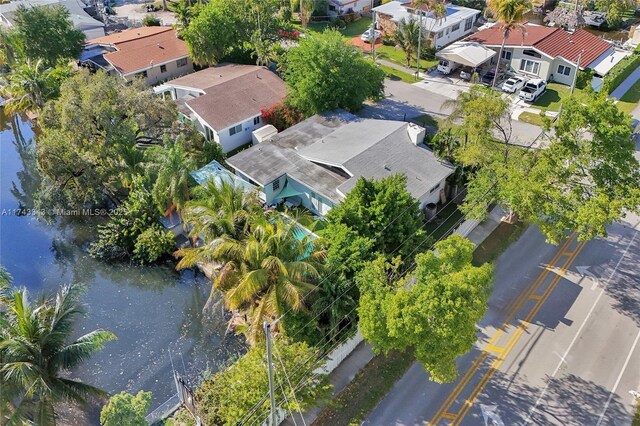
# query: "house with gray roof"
317,162
225,102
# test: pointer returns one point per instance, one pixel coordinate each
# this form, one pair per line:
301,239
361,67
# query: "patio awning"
288,191
218,173
467,53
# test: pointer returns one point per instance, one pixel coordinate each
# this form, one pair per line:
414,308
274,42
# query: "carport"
467,53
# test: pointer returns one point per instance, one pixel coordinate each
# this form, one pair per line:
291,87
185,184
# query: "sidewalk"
626,84
476,232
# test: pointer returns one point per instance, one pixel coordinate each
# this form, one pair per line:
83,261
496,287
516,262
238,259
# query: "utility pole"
373,26
419,39
272,394
575,76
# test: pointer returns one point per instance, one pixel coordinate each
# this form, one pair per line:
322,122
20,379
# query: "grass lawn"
630,100
554,95
364,392
429,121
352,29
447,217
531,118
636,418
394,74
391,54
497,242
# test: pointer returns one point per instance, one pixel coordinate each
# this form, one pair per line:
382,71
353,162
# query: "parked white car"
370,35
446,67
532,90
513,84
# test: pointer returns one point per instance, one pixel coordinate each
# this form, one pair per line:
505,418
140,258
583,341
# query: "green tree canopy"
224,27
585,179
230,394
325,72
47,33
89,136
384,212
434,312
125,409
36,349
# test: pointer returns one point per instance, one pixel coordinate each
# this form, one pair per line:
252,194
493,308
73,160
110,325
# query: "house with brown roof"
225,102
155,54
552,54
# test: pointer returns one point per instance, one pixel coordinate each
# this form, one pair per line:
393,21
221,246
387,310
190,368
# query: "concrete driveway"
560,344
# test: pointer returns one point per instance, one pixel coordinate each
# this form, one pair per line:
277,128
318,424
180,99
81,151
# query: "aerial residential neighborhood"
320,212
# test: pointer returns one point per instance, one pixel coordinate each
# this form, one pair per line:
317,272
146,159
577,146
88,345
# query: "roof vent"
387,168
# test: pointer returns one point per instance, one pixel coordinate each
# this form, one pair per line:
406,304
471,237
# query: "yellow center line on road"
515,337
512,308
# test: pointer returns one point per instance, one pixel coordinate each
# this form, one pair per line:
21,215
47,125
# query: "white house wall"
230,142
446,35
173,71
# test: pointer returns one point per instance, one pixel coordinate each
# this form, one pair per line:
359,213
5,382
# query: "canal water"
153,310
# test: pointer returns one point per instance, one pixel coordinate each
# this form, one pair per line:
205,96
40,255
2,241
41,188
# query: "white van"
446,67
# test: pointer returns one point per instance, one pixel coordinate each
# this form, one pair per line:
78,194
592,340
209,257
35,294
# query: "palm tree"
430,7
261,49
510,17
28,87
218,210
171,166
10,48
406,36
35,353
267,272
182,12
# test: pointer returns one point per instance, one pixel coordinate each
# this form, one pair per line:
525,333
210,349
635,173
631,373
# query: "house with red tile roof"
155,54
549,53
225,102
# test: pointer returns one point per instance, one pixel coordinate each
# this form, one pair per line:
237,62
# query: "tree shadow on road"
567,401
393,109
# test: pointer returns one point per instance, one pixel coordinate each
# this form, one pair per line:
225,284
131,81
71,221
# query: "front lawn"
394,74
441,225
554,95
391,54
352,29
629,101
429,121
531,118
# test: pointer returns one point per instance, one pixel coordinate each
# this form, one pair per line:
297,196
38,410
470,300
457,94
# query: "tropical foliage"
433,311
406,37
229,395
37,348
125,409
324,73
28,86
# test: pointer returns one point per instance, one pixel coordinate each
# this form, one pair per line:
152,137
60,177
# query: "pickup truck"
532,90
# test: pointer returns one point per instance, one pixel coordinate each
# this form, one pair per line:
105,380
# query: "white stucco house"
348,6
154,54
225,102
317,162
549,53
456,24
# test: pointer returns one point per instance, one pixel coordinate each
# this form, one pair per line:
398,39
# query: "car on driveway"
467,72
513,84
487,78
370,35
532,90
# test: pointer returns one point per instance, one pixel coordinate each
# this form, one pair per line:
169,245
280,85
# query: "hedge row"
621,71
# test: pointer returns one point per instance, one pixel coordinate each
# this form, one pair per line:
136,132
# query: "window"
163,68
532,53
531,67
256,120
468,23
276,184
181,62
506,55
455,28
435,188
564,70
143,74
439,34
235,129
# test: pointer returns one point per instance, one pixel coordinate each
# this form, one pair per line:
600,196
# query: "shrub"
151,21
281,116
153,243
621,71
125,409
584,78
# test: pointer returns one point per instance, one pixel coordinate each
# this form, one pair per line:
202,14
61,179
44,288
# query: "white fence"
335,358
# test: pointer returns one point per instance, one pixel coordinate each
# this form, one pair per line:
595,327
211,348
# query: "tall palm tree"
428,7
510,17
28,87
268,272
406,36
182,12
171,167
218,210
36,351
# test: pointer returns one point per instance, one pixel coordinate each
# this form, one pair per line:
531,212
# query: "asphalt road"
560,344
